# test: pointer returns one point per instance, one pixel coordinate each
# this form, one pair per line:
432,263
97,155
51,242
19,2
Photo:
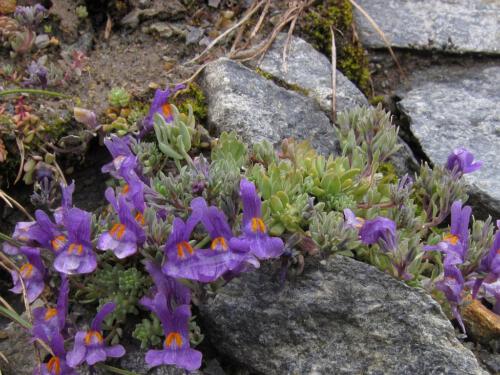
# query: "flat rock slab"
255,108
311,70
450,108
452,25
339,317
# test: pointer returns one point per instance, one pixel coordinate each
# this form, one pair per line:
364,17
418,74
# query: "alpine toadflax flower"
351,220
77,256
462,161
125,235
32,273
89,345
56,365
456,243
379,230
207,265
161,106
176,348
489,266
51,320
452,286
255,238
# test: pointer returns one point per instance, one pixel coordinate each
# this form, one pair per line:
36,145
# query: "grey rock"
450,108
311,70
42,41
165,29
241,100
339,317
404,161
457,25
194,35
160,9
134,361
18,351
214,3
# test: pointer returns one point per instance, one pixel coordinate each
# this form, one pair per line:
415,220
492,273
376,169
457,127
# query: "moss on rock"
351,57
192,96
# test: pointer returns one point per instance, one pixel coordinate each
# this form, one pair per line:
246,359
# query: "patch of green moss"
389,172
192,96
351,57
282,83
376,100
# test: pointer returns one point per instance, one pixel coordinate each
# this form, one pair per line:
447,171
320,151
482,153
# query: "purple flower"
177,350
167,291
56,365
462,161
490,265
32,273
46,233
77,257
89,345
456,243
51,320
452,286
161,106
493,290
119,148
85,117
30,16
66,202
37,75
379,230
255,238
207,265
123,237
134,188
22,234
178,249
351,220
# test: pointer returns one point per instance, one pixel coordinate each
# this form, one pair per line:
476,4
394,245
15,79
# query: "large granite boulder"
241,100
339,317
459,107
456,26
312,71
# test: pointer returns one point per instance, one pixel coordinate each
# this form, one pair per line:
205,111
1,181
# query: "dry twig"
11,201
20,145
227,32
380,32
334,77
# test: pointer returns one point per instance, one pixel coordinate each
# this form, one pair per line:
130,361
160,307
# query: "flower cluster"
70,245
205,222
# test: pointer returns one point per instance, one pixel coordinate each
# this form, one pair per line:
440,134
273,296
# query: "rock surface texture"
311,70
241,100
450,108
339,317
457,25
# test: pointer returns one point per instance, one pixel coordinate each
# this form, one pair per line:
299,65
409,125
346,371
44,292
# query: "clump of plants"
183,220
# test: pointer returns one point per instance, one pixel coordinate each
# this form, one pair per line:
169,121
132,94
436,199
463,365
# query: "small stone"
194,35
162,29
42,41
214,3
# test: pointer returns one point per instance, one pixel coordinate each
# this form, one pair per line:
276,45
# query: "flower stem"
34,91
10,240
